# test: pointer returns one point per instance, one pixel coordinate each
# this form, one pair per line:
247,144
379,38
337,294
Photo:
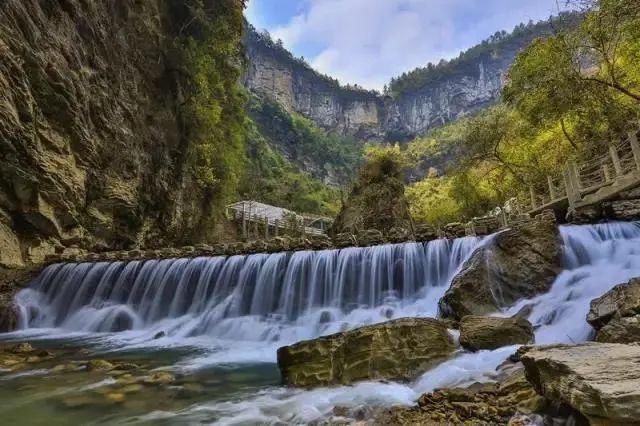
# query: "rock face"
11,280
616,314
274,72
600,380
517,263
377,202
478,332
91,145
488,404
398,349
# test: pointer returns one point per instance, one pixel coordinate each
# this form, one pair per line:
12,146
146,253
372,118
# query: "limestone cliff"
274,72
419,100
91,142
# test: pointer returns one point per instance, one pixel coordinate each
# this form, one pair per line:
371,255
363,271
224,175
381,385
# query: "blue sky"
369,41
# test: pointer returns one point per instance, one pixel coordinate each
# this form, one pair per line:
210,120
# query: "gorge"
235,312
132,293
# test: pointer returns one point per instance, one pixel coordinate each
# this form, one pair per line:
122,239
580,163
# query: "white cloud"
369,41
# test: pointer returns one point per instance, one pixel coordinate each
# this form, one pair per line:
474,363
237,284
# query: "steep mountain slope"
95,140
417,101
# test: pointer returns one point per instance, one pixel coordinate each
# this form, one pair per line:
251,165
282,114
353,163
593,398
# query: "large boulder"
478,332
616,314
11,281
399,349
520,262
600,380
377,199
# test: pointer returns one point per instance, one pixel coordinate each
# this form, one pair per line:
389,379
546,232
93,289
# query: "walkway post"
616,160
534,201
633,140
574,175
572,192
607,173
244,222
552,189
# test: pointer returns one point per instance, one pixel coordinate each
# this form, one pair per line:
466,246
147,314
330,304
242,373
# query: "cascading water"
243,307
271,299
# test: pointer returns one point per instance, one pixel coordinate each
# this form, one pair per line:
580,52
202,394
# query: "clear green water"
139,387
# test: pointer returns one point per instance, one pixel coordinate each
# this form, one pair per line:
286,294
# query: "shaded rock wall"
91,143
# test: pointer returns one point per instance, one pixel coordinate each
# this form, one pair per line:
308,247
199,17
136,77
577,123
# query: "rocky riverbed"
198,339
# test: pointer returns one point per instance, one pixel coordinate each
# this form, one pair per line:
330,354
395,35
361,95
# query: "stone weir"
417,249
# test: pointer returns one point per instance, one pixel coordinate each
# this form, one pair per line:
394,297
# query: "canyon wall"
92,147
459,88
274,72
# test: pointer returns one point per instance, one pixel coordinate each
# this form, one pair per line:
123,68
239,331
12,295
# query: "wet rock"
370,237
623,299
399,235
517,263
583,215
99,365
159,335
616,314
158,378
454,230
115,397
398,349
599,380
343,240
478,332
620,330
486,404
627,210
132,388
321,242
21,348
425,232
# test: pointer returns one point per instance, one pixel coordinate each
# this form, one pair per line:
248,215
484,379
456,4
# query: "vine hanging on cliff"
210,41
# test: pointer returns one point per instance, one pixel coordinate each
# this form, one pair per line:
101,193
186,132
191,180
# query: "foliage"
304,143
273,180
569,95
501,46
213,111
582,74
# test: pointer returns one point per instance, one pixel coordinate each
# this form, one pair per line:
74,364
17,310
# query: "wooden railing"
580,184
578,180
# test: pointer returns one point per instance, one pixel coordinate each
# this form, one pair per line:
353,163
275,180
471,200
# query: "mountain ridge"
415,103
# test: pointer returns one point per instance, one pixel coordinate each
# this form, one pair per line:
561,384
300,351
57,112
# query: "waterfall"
596,258
240,309
281,297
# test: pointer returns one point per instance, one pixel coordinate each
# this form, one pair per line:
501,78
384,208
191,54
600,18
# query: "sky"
366,42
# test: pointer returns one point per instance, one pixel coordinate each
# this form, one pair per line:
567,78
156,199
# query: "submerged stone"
99,365
158,378
398,349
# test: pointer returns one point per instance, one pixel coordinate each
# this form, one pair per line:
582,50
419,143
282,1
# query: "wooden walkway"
591,182
581,184
260,220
